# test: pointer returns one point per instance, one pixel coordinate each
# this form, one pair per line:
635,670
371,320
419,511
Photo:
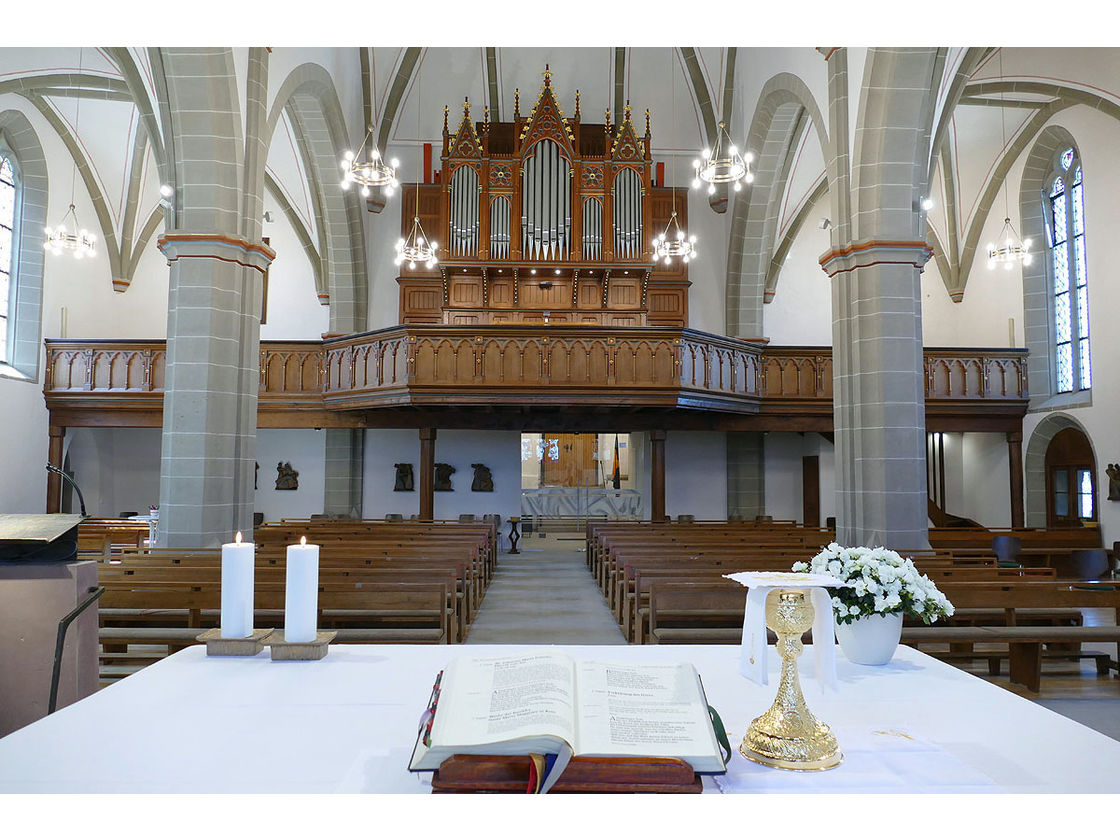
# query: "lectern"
42,582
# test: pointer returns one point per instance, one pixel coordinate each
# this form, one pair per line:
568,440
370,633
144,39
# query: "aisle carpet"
544,596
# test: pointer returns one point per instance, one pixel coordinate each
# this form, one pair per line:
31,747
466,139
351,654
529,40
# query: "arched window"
1065,234
7,248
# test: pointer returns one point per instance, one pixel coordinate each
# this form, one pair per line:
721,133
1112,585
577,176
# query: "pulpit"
41,583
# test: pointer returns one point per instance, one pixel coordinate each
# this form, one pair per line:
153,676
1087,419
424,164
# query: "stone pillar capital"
216,246
875,252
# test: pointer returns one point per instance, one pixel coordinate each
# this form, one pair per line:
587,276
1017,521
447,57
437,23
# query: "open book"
548,703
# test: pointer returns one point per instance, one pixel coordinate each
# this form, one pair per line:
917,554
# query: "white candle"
237,589
301,593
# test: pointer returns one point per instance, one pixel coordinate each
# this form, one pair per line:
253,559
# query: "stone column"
427,474
879,393
1015,471
210,398
746,475
657,475
343,472
57,436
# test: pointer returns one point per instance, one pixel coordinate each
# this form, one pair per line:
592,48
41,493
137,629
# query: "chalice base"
797,753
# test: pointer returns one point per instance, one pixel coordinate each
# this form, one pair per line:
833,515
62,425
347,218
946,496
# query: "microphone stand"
81,500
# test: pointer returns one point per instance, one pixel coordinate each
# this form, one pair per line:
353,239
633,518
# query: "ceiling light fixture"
374,171
81,242
416,248
1012,249
667,245
723,165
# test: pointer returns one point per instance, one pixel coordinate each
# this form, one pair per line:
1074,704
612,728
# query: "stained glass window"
7,225
1066,237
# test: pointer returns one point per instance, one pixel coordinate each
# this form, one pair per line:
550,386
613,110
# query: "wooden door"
811,491
1071,492
569,460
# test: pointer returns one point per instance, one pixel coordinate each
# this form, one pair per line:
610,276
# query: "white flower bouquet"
879,581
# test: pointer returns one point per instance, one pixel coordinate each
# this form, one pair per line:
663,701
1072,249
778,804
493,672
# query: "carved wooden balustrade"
568,364
311,383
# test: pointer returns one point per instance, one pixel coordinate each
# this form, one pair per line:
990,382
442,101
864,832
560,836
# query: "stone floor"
544,596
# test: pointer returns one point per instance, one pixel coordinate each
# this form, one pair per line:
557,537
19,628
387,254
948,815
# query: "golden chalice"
788,735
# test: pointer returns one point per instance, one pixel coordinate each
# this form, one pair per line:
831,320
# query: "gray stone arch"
786,109
308,95
1038,320
1034,464
19,141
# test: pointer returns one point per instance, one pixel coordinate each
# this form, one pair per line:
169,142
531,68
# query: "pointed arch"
309,97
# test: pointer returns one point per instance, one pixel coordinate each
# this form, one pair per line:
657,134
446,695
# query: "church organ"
544,220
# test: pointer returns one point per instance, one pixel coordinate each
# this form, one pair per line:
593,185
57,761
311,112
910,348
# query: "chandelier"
374,171
723,165
59,239
666,246
1012,250
416,248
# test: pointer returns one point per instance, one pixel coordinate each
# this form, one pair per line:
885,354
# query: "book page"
647,709
502,698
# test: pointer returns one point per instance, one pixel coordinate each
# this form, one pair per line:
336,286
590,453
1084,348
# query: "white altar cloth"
197,724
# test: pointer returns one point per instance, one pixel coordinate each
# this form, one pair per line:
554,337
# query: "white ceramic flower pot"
870,640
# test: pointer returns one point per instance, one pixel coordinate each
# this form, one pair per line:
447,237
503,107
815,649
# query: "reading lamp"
81,501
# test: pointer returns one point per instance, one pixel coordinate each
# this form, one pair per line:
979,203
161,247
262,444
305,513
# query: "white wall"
987,482
294,311
696,474
800,313
304,449
117,469
23,447
784,481
498,450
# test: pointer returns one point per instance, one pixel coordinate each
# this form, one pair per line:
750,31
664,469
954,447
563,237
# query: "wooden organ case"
544,220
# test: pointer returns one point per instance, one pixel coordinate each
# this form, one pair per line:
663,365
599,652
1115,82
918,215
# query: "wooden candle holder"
217,645
289,651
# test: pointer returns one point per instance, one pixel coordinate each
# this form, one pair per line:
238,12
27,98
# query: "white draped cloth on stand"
752,663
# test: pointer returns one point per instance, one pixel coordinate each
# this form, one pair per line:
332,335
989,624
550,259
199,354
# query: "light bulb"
734,150
388,191
1026,259
927,203
374,154
1026,243
345,183
667,258
692,239
706,153
365,192
711,189
166,191
738,186
395,163
695,182
400,244
349,156
749,177
434,244
680,236
685,259
411,264
748,157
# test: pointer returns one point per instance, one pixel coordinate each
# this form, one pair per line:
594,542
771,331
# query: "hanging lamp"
373,171
1011,250
416,247
79,241
679,244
